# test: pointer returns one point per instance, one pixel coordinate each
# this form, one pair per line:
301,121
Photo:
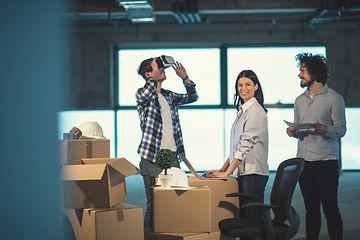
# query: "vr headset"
164,61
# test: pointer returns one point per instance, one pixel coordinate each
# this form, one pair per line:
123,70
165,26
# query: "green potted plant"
165,159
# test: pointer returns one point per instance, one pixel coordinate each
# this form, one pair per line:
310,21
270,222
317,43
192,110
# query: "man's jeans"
147,170
319,185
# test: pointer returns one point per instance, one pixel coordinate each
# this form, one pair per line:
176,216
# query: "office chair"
286,221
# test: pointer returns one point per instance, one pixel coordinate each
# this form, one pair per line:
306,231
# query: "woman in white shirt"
248,141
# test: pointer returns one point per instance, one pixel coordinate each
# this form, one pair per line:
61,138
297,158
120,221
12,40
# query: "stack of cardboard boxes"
93,188
194,212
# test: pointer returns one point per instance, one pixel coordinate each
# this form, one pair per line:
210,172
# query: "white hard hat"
179,177
91,129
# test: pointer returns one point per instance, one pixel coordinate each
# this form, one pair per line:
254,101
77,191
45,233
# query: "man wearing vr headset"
159,118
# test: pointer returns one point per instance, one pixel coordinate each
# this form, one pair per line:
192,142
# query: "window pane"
201,64
230,115
350,143
203,132
281,146
275,67
128,135
69,119
203,138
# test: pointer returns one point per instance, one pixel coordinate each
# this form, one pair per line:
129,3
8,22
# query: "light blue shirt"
328,108
249,140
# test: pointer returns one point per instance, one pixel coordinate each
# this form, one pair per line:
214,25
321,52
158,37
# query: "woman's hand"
215,174
205,174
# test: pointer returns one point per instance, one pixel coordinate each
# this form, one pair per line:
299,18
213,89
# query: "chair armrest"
237,194
262,205
246,199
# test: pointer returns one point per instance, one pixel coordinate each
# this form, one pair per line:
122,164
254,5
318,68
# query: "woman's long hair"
258,93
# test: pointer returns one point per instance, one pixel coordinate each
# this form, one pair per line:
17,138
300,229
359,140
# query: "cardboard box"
221,207
214,235
182,210
96,183
123,221
72,150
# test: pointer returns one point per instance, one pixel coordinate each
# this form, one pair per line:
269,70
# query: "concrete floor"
349,196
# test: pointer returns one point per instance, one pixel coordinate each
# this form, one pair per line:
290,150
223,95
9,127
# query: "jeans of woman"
319,185
252,184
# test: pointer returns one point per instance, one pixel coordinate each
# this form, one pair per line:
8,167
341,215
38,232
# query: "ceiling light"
132,2
128,5
137,6
141,16
143,19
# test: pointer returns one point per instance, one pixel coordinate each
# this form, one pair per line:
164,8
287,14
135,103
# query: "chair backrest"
285,181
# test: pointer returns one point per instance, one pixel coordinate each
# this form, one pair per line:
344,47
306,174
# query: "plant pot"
165,180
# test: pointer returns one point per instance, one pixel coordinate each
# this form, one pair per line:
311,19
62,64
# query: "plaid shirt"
149,111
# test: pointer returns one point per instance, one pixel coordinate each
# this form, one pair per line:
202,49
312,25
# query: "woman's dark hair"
316,65
145,67
258,93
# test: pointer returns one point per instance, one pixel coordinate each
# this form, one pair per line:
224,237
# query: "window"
202,66
128,135
206,123
203,132
207,83
350,143
275,67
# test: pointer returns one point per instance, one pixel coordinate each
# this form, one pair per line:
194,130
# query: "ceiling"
316,13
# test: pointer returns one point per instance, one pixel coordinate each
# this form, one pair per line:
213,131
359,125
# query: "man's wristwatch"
187,77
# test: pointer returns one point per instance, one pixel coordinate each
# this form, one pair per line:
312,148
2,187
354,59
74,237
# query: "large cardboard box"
186,210
123,221
214,235
221,207
72,150
96,183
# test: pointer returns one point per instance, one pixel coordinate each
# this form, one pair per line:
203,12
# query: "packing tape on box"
120,214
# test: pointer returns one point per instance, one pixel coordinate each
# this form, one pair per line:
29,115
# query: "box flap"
125,167
121,165
97,160
120,205
82,172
